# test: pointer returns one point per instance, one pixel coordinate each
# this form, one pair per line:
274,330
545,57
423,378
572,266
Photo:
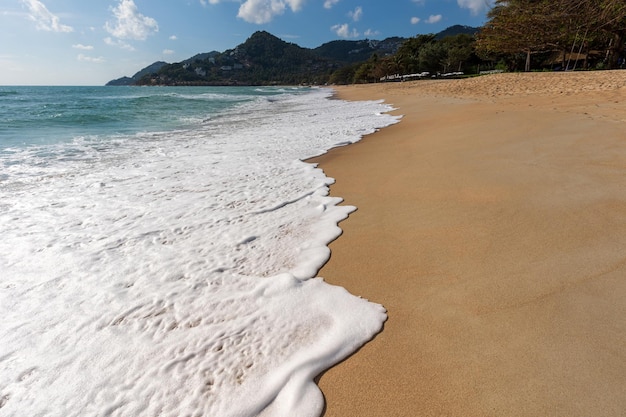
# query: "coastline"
491,226
164,279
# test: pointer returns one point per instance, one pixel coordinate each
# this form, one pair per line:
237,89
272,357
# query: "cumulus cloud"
475,6
129,23
356,14
434,18
83,47
344,31
43,19
118,43
85,58
328,4
173,37
260,11
168,52
263,11
370,32
415,20
296,5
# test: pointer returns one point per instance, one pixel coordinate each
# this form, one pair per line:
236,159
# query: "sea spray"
168,270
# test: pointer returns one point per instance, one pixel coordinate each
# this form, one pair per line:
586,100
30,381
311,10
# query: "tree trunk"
527,67
616,49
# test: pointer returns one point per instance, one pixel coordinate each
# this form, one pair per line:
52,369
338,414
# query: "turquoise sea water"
44,115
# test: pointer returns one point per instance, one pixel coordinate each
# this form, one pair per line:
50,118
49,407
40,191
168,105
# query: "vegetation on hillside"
265,59
417,55
350,52
262,59
519,34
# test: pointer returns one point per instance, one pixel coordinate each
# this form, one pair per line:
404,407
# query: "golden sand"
491,224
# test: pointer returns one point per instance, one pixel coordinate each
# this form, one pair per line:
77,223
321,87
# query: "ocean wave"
172,272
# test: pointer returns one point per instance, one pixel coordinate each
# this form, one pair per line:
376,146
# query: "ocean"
159,250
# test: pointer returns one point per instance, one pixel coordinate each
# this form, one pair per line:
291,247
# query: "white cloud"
344,31
475,6
328,4
260,11
295,5
370,32
83,47
434,18
356,14
168,52
129,23
42,17
420,2
118,43
415,20
173,37
85,58
263,11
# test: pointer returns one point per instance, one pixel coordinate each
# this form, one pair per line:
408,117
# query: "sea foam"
172,273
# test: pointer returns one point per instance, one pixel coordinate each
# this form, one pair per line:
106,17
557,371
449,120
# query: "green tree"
459,49
344,75
369,71
432,57
514,26
408,54
533,26
610,17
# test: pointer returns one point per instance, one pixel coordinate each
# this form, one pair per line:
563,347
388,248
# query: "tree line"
581,27
519,34
420,54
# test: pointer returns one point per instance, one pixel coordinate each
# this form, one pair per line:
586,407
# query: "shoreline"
490,225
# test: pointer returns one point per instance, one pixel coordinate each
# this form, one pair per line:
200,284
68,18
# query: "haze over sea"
159,250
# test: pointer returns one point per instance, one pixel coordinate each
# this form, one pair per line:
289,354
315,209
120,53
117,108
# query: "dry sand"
491,224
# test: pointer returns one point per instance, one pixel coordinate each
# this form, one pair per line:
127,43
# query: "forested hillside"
266,59
519,35
262,59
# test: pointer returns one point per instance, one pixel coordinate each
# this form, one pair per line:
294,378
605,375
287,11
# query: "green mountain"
358,51
261,59
201,57
152,68
456,30
264,59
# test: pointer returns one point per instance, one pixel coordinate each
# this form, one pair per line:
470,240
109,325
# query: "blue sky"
89,42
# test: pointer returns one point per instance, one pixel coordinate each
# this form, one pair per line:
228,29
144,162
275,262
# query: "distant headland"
265,59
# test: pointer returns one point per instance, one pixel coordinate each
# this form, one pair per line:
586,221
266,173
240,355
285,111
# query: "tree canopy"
534,26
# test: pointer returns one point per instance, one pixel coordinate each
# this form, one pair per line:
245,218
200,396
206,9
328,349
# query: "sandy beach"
491,224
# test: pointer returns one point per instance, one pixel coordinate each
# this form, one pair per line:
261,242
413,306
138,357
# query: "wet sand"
491,224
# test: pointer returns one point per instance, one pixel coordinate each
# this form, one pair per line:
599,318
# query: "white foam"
171,274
